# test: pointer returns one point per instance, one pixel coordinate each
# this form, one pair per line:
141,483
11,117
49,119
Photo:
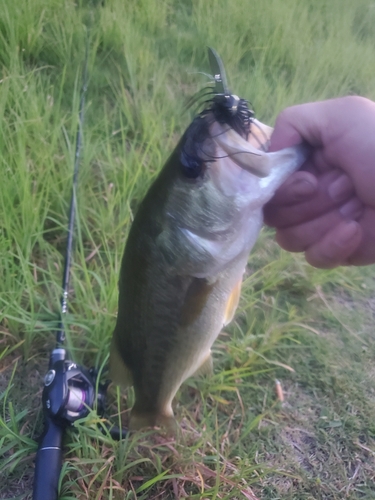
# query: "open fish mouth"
242,152
253,159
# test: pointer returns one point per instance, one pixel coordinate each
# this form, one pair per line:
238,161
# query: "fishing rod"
70,391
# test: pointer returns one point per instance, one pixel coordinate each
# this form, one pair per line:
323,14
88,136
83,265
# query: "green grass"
145,59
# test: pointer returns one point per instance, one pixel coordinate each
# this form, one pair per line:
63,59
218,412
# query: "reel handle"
48,462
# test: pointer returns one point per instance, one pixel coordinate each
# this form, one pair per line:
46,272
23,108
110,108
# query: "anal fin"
206,367
119,372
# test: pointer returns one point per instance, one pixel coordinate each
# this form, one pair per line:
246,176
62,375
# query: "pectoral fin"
232,303
196,298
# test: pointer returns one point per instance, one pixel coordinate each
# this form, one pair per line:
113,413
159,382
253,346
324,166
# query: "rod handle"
48,462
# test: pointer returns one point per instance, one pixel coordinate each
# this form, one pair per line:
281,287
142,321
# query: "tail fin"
142,419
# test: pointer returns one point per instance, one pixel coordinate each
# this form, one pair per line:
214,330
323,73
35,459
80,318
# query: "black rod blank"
60,332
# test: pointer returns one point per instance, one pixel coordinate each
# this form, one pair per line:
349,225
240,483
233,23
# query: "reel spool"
70,390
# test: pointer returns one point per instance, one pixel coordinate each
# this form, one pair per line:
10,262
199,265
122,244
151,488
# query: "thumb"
297,124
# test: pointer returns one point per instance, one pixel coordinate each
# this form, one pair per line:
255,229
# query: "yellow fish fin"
206,367
119,372
232,303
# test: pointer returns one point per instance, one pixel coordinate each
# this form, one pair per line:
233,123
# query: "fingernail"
341,188
302,188
347,232
352,209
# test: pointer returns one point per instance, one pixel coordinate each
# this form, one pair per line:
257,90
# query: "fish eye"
192,166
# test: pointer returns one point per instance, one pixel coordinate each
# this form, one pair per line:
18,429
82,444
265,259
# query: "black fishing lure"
225,108
228,108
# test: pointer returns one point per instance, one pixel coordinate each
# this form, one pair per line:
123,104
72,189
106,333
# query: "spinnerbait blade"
218,71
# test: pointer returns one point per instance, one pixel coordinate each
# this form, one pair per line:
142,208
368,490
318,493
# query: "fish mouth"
250,155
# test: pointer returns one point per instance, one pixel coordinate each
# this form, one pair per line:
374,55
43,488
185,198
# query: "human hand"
327,209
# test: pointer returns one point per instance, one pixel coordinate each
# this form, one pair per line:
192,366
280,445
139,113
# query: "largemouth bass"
187,251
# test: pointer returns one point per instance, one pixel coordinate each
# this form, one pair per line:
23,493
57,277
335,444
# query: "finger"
331,190
336,246
365,253
296,188
300,237
297,124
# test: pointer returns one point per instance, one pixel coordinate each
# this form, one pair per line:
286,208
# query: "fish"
187,250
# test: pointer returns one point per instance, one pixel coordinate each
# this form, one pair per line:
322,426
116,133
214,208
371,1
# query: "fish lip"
241,152
263,130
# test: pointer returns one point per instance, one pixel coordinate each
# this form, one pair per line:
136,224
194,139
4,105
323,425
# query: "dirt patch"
317,452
